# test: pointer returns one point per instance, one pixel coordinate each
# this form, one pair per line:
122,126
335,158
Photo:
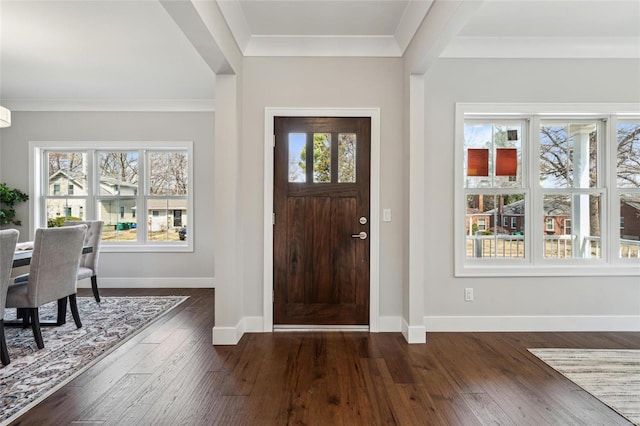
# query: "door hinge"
273,218
274,141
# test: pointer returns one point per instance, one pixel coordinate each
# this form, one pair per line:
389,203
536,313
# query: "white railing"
501,245
629,249
558,246
555,246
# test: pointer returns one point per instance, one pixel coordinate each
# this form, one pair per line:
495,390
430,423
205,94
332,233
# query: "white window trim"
514,222
610,264
37,217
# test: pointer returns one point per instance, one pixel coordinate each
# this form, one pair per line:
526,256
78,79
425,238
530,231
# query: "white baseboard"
533,323
414,334
163,282
232,335
389,324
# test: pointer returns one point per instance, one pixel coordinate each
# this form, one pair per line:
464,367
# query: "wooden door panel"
296,211
321,273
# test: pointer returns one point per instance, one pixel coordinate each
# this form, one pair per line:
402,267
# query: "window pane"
67,173
489,235
346,157
297,157
118,172
165,218
568,155
321,157
119,216
572,226
628,155
493,155
168,173
630,225
61,209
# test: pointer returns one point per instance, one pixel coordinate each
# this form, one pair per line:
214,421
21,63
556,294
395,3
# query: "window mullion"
536,222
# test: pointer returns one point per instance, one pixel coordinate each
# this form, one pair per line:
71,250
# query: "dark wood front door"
321,202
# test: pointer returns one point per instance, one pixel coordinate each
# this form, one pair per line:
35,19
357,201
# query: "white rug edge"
533,352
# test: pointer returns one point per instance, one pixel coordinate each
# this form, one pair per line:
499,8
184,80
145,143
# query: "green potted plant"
8,199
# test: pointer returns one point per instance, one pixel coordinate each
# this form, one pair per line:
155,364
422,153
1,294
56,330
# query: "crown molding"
544,47
352,46
112,105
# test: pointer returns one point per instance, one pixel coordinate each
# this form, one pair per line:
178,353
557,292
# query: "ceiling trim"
111,105
410,21
544,47
237,22
352,46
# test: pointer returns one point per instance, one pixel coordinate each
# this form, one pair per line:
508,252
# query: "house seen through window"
535,190
112,184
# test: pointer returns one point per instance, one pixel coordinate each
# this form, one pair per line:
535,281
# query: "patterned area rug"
34,374
612,376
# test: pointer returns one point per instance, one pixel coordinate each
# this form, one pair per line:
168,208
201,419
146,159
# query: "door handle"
362,235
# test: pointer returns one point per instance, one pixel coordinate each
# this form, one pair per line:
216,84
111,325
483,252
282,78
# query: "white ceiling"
133,51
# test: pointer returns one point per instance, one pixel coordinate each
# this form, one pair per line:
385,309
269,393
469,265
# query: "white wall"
127,269
321,82
509,303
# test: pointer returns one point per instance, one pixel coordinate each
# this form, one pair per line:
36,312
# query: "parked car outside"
182,233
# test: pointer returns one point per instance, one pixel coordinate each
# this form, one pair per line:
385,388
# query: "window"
568,200
549,224
108,183
628,187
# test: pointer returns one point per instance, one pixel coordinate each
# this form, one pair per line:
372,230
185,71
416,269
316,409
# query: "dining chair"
53,275
8,241
89,263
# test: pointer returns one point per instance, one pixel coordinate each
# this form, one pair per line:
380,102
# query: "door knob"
362,235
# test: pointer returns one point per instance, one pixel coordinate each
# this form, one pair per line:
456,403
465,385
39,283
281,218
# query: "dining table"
22,256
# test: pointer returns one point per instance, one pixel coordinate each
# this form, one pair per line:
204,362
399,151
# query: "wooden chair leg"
62,311
94,287
35,326
74,310
4,353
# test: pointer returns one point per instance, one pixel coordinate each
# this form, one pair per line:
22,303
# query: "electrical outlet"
468,294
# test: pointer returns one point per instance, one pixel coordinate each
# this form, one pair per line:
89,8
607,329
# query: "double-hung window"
566,180
142,192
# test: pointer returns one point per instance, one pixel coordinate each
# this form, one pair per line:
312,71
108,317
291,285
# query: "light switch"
386,215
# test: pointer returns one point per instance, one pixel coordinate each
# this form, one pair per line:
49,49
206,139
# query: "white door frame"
374,215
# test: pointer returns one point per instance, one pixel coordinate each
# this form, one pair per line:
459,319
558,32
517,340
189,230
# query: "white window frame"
514,222
547,221
534,264
37,179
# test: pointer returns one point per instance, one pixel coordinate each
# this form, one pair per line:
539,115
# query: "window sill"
146,248
574,270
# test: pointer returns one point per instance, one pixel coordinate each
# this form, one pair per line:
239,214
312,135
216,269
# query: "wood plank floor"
170,374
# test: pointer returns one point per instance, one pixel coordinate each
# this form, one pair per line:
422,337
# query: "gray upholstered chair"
8,241
53,275
89,263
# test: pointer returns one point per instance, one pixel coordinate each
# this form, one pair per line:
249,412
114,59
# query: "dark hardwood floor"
170,374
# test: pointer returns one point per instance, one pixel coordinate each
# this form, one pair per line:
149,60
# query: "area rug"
612,376
34,374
